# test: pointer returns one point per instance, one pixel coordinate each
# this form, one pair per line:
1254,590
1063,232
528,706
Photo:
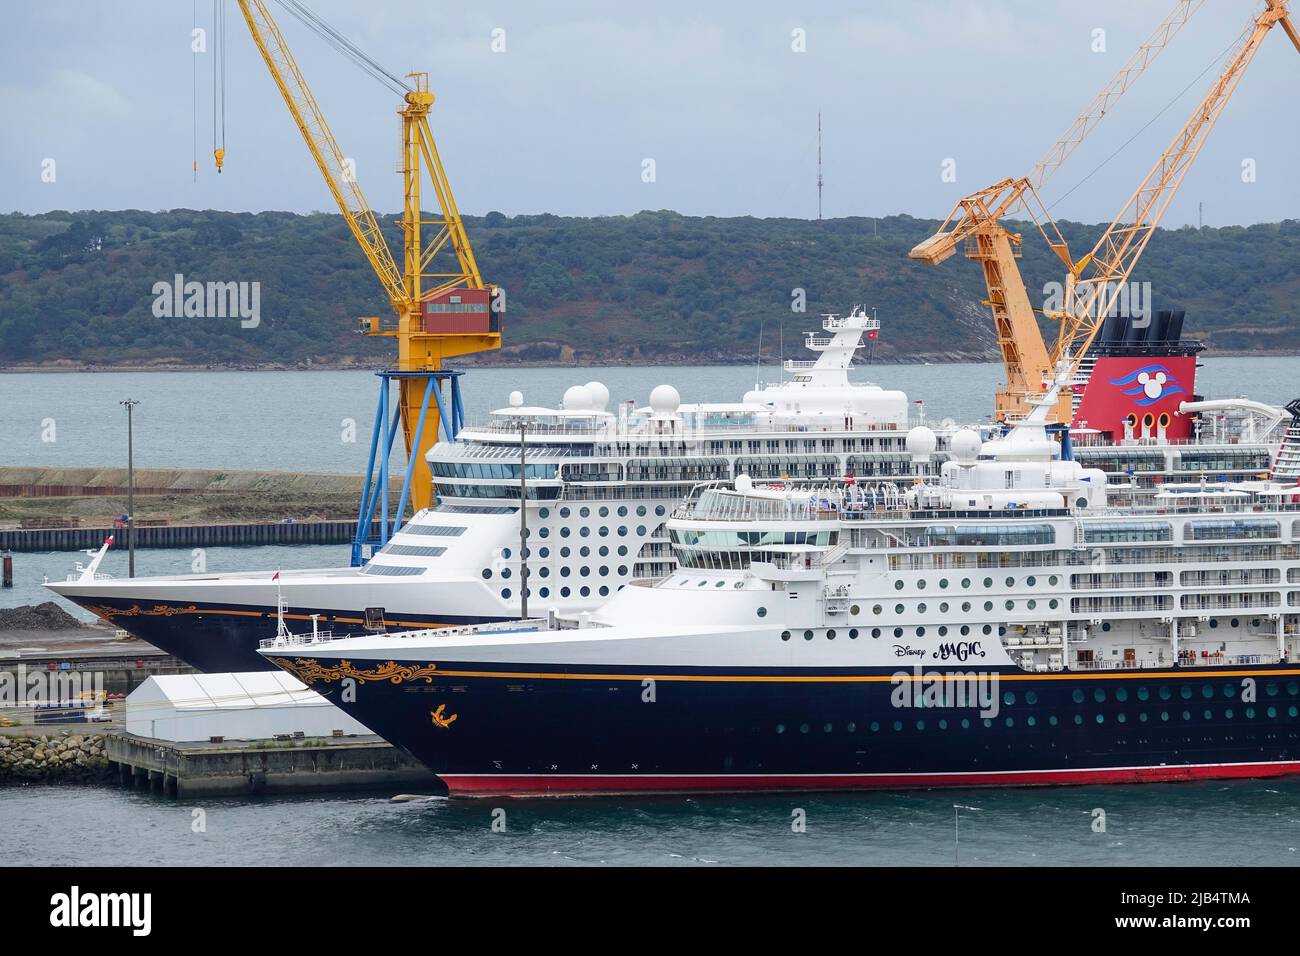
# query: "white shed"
251,706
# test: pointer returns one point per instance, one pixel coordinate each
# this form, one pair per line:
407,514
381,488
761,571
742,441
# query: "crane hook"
220,156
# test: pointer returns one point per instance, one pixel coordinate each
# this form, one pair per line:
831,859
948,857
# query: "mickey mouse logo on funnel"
1152,382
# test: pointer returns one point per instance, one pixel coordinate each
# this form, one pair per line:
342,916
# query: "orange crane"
976,222
438,311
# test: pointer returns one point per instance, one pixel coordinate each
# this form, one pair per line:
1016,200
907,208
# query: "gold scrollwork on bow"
309,671
441,720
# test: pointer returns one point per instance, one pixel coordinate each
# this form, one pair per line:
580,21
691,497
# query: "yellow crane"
436,314
975,222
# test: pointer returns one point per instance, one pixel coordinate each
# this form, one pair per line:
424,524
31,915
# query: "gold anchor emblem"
439,720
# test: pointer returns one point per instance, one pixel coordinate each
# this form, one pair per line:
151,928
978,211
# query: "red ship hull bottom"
559,785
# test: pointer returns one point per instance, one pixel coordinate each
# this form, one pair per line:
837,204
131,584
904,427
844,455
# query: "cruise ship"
1003,623
601,482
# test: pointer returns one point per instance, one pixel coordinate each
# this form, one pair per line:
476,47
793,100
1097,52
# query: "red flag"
276,576
873,335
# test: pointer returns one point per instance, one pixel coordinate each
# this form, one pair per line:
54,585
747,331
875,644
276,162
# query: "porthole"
505,572
855,610
1143,693
875,632
622,511
640,530
807,635
943,608
965,582
920,585
604,511
1031,604
545,572
965,629
584,551
622,570
830,634
1031,697
564,512
943,582
1185,692
804,728
622,551
720,584
1011,582
584,531
920,608
1010,605
987,629
544,552
564,592
603,552
853,634
640,511
1207,691
965,605
487,573
1053,580
780,728
898,609
584,512
565,571
1099,695
898,585
1121,694
622,531
545,592
545,532
505,553
1053,604
988,605
603,531
544,513
877,609
920,632
1165,692
659,510
898,632
565,552
1030,581
988,582
1008,698
920,725
565,531
943,630
1077,696
505,593
604,590
785,635
585,591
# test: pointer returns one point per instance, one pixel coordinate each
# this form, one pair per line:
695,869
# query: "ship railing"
75,576
1219,659
1104,665
326,637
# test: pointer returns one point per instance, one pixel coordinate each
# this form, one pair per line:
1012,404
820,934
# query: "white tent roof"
223,691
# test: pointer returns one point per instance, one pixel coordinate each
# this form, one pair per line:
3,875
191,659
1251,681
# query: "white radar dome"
966,446
577,398
516,399
599,395
744,483
664,400
754,397
921,443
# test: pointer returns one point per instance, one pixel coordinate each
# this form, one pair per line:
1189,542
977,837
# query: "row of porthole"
1030,581
1229,691
545,592
944,607
603,511
1032,721
876,632
564,571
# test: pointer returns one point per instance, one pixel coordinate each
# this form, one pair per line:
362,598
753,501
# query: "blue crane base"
376,498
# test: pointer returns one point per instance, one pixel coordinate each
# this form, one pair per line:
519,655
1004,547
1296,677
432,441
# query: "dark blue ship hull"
220,638
531,730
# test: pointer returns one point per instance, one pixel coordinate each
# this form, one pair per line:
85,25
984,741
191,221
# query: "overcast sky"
562,120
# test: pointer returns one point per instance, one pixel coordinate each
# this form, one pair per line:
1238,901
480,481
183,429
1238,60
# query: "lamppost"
130,404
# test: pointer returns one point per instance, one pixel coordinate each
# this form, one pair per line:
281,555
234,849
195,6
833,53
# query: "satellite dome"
664,400
921,443
966,446
516,399
754,397
599,395
577,398
744,483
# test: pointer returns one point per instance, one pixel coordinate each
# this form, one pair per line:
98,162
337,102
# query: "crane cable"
1161,112
344,46
219,82
194,89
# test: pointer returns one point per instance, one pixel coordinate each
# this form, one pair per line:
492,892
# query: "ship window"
564,592
761,612
898,585
807,635
440,530
505,593
603,590
853,634
785,635
487,573
413,550
585,591
389,570
830,634
877,609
